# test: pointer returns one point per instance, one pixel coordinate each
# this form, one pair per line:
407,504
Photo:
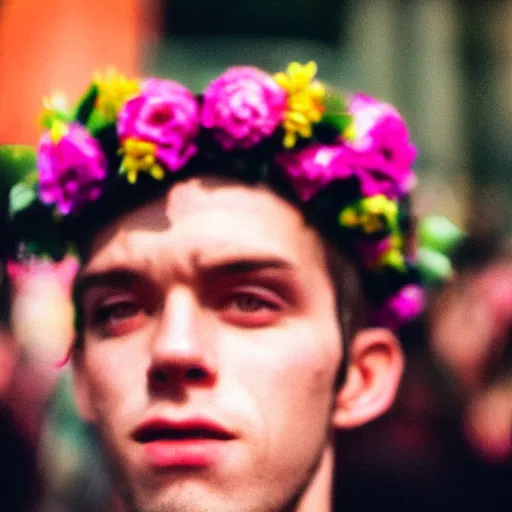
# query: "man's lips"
163,429
194,442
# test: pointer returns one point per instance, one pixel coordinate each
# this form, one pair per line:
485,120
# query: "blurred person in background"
49,460
20,410
470,324
19,478
41,317
45,454
215,378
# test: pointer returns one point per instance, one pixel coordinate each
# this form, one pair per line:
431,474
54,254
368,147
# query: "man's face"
211,350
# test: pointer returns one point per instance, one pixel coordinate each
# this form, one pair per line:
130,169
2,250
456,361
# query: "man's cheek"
313,360
305,378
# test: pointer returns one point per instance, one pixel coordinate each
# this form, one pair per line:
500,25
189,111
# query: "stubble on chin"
183,501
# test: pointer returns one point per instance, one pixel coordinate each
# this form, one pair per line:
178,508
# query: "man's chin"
191,497
181,496
148,489
184,501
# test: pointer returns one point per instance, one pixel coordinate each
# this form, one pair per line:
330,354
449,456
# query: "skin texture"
214,315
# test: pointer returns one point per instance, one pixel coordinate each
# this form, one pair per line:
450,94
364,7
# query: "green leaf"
98,122
85,106
335,103
438,233
21,197
16,163
336,115
339,122
50,116
433,266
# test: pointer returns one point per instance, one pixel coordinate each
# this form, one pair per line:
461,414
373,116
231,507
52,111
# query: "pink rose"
165,114
311,169
380,129
243,107
72,169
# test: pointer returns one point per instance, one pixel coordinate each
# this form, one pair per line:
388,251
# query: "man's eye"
119,317
250,303
251,310
117,311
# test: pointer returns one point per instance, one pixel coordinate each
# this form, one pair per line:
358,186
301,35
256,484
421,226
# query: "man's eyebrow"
243,265
113,277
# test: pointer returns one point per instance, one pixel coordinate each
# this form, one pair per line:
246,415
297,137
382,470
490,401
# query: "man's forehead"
208,222
205,193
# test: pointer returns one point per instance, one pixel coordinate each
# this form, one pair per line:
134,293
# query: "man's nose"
181,354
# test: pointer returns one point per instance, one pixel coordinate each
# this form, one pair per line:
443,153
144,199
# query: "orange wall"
48,45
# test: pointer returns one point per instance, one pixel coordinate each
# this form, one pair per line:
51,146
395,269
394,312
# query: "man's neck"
318,495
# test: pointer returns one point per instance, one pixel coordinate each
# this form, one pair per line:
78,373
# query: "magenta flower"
314,167
165,114
379,129
243,107
371,171
72,169
403,307
311,169
371,251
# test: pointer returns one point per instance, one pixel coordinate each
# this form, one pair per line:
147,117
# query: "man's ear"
81,387
373,376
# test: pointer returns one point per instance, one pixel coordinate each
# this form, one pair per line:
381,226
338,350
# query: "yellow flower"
393,257
349,133
369,214
113,91
58,130
348,217
140,156
305,101
368,222
381,206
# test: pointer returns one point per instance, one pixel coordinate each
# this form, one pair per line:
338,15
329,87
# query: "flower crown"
348,161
